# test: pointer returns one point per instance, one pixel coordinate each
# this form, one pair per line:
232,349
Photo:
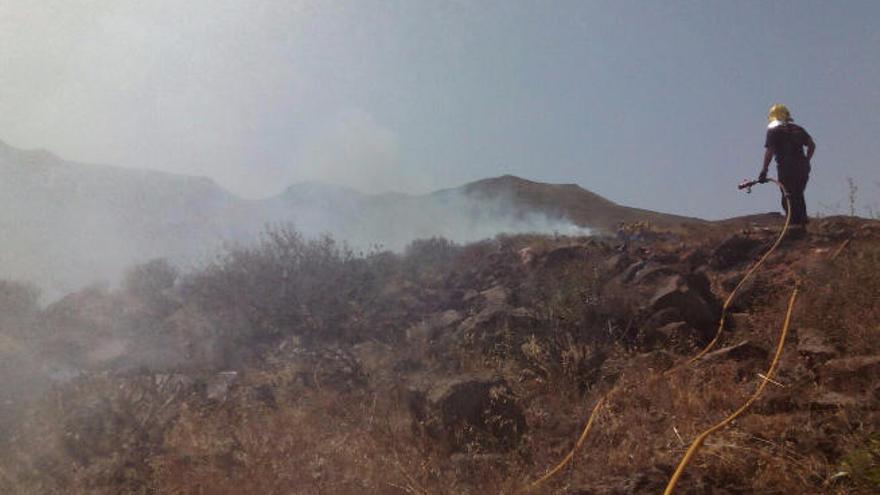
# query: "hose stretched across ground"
698,442
749,273
724,309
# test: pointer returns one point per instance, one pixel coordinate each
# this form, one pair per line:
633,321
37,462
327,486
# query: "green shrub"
863,464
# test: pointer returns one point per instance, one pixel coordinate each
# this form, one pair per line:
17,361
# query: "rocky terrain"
297,366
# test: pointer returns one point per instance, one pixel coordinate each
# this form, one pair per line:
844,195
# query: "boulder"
660,318
217,387
434,325
836,228
563,255
498,327
853,365
730,281
869,231
857,375
678,336
374,358
743,351
469,414
665,257
652,272
194,336
652,480
737,321
695,258
752,291
471,467
495,296
834,400
527,256
630,272
469,296
687,294
813,345
336,368
617,262
733,251
445,319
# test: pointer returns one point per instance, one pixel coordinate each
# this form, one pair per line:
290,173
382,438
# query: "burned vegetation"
301,366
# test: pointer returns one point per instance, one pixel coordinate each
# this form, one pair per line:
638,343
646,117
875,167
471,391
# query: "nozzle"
747,185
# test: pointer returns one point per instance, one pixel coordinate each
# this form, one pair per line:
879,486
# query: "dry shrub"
862,463
841,300
285,285
278,431
148,280
430,260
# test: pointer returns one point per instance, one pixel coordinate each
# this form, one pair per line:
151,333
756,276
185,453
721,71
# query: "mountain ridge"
68,223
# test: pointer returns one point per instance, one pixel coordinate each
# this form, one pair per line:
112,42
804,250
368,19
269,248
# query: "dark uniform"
788,141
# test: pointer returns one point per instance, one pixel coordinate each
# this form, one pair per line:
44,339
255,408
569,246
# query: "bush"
863,463
430,259
841,300
285,285
148,280
149,283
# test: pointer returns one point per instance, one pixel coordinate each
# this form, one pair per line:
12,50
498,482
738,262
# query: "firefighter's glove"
762,178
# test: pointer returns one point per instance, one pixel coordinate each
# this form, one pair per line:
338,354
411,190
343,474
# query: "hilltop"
571,201
69,224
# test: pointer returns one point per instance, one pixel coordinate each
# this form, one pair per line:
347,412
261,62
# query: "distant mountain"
64,224
67,224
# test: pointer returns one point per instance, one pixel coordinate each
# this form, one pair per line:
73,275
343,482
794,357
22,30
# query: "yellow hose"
698,442
583,437
749,273
570,455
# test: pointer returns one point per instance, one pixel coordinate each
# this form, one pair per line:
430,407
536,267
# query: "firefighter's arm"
768,155
811,148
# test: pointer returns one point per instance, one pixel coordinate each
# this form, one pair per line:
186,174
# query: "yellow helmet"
779,112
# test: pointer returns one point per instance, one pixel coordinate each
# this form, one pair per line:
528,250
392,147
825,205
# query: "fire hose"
698,441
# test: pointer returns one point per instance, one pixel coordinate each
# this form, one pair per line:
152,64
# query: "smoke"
392,221
351,149
255,94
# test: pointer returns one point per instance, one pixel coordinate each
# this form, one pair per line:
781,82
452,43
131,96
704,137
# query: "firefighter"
793,148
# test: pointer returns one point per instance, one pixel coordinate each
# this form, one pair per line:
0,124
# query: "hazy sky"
656,104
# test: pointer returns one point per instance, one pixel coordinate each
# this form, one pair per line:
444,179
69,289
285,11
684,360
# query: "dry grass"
842,299
305,414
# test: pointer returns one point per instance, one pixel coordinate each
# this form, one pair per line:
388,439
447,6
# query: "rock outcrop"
469,414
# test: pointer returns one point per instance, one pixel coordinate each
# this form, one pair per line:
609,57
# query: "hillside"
571,201
297,367
67,224
471,212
